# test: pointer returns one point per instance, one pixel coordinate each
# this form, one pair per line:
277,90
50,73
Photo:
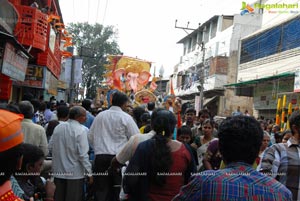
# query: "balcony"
31,29
51,59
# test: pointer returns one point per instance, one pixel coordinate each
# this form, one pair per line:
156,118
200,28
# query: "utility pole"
201,72
202,77
71,86
185,28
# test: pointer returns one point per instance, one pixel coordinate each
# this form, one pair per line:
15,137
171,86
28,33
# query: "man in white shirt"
109,132
70,159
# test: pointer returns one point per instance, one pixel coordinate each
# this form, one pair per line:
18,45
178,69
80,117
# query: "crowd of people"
55,151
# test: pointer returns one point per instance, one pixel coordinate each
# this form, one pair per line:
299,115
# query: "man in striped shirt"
240,138
282,161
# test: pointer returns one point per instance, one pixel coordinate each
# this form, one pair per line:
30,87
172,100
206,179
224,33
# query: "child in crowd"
184,135
286,135
29,176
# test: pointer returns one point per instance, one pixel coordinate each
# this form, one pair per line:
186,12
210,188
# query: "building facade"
13,55
210,61
40,30
268,66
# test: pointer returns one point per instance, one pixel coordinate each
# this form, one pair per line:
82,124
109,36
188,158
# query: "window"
278,39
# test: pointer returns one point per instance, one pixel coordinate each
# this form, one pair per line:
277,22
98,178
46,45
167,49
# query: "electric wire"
104,15
97,12
73,9
88,11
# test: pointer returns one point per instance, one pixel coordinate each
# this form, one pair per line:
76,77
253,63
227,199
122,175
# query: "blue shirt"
238,181
89,119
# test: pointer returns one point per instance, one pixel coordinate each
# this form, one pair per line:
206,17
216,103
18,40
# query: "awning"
11,38
188,97
256,81
209,100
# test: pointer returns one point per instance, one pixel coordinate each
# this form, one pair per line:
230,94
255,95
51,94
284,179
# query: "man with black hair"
281,160
189,117
48,113
150,107
86,103
33,133
189,120
237,112
240,138
145,120
62,116
109,132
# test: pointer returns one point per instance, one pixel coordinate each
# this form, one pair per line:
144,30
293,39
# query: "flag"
171,87
179,122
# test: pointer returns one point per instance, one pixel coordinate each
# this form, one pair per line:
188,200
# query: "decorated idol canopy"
128,74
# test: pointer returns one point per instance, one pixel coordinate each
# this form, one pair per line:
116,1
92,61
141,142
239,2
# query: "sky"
146,29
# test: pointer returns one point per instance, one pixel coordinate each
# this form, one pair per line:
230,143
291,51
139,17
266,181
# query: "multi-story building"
209,61
268,66
13,56
39,28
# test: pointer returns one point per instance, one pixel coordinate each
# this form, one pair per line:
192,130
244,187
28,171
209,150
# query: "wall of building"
215,81
219,45
218,65
231,101
271,51
224,43
226,22
243,26
272,65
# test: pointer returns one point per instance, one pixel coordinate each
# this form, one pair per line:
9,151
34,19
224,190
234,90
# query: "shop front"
13,64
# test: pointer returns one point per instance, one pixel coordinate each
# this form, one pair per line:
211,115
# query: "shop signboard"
51,83
266,95
14,63
34,77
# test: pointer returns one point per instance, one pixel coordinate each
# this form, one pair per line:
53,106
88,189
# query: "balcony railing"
51,59
31,29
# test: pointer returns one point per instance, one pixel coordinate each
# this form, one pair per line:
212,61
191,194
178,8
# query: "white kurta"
69,146
111,130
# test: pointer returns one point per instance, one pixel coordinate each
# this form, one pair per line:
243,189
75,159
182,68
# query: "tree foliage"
93,43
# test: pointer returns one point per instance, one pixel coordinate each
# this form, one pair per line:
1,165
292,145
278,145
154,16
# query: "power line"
104,15
73,9
98,6
88,11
